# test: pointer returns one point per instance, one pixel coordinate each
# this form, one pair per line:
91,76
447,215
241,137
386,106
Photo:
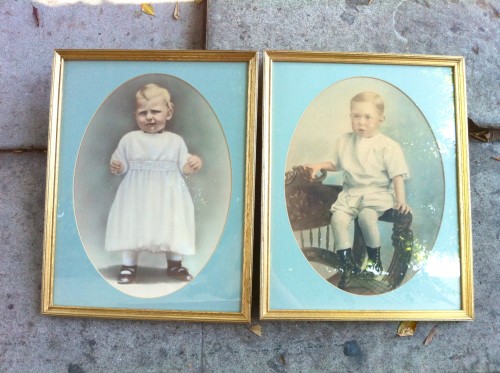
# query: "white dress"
152,209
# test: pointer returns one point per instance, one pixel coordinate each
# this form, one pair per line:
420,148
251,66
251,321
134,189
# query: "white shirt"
369,162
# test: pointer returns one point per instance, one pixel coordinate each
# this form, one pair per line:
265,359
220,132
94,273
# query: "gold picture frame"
311,106
97,98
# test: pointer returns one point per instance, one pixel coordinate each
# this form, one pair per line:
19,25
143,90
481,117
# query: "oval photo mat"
95,187
325,119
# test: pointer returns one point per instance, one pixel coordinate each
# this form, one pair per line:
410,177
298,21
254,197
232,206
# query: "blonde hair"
150,91
372,97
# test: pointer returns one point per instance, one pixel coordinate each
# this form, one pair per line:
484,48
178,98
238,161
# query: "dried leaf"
496,158
148,9
36,15
257,329
177,13
483,134
430,336
407,328
198,1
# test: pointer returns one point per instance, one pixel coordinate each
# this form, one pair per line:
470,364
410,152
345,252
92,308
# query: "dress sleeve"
183,154
395,162
120,154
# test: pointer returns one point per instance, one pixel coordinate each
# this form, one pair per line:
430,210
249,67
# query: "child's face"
365,118
152,115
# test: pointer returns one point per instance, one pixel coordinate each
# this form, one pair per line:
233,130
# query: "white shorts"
352,201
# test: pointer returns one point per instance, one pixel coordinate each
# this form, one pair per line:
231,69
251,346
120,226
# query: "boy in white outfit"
374,171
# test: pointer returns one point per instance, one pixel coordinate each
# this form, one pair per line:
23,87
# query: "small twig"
177,13
430,336
36,15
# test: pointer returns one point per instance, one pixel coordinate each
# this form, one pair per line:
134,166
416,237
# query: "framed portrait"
150,185
365,188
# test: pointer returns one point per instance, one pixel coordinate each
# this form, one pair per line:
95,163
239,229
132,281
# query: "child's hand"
116,167
402,207
313,170
193,164
399,193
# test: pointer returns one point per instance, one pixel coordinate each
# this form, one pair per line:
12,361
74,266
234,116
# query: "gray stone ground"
27,50
32,343
447,27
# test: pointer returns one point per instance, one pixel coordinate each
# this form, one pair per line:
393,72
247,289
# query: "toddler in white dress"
153,209
374,169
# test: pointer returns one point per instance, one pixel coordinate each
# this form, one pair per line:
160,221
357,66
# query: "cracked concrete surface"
443,27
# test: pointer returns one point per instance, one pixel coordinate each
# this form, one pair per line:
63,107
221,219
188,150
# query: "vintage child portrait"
156,236
365,147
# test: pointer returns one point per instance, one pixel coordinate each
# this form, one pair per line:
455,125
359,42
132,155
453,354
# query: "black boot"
347,267
374,265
